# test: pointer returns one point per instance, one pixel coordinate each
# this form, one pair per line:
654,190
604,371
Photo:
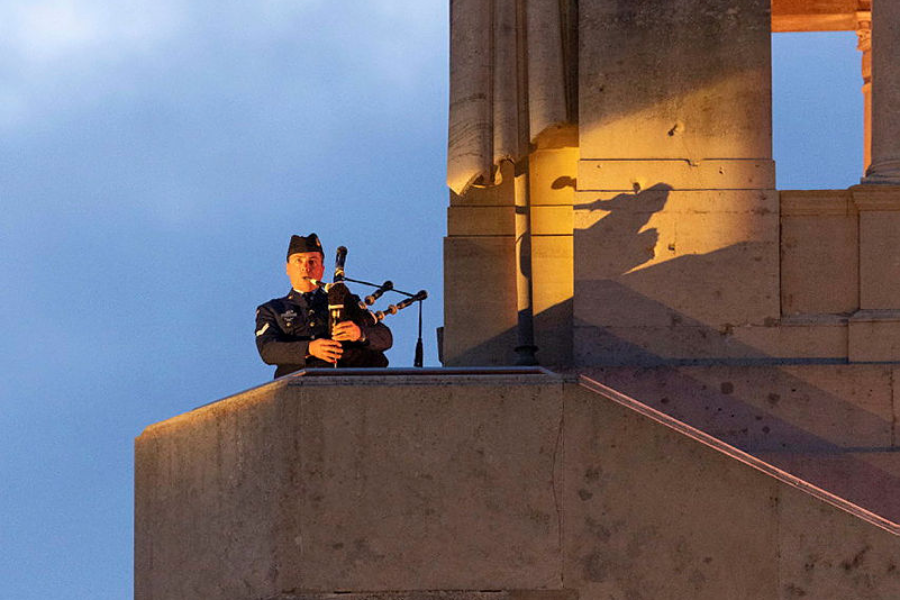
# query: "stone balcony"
480,484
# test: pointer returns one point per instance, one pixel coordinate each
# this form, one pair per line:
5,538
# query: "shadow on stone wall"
699,337
554,349
628,215
743,380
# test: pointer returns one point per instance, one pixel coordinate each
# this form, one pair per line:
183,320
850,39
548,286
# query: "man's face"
303,266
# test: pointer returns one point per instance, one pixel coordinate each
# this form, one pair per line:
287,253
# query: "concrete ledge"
319,483
420,375
357,481
436,595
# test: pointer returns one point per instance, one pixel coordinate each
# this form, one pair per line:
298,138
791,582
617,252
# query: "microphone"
371,298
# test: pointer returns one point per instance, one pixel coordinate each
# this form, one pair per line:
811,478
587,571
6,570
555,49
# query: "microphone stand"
418,361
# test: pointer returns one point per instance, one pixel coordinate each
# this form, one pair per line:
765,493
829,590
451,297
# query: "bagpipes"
339,296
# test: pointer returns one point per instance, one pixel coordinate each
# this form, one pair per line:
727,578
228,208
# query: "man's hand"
346,331
325,349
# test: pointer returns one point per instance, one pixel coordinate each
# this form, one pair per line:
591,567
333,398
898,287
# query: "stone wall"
654,252
840,271
658,235
832,425
524,483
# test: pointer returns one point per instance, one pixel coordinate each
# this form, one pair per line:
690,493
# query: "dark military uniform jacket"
285,326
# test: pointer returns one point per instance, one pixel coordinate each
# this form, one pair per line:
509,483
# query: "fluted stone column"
874,330
885,165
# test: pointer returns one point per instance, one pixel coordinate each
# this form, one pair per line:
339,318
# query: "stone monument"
720,421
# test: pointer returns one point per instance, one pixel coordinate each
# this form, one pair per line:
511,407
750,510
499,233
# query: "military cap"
309,243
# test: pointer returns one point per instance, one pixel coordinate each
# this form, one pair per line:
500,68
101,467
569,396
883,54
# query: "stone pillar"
885,165
676,221
874,330
864,32
480,312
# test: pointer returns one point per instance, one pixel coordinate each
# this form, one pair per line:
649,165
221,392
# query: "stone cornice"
876,197
817,203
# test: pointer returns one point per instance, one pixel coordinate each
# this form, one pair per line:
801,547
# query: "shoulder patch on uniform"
262,330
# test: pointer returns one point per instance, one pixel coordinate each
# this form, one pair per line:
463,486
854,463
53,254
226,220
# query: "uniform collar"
296,295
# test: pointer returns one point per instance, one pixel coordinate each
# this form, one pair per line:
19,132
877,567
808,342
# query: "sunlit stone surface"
725,420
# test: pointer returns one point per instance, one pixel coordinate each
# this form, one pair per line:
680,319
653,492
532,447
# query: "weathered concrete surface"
874,336
670,276
771,407
441,486
664,274
479,300
879,251
499,220
681,174
398,487
353,484
819,252
651,514
763,536
832,425
479,255
209,507
711,257
837,561
552,276
684,80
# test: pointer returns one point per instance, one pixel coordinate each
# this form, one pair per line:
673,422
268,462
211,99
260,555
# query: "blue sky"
156,157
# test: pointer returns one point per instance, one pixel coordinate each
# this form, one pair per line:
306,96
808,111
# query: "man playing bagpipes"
313,328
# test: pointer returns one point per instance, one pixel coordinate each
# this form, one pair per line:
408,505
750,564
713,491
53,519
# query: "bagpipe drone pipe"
339,297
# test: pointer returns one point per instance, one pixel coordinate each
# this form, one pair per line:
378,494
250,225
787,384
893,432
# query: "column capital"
864,30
